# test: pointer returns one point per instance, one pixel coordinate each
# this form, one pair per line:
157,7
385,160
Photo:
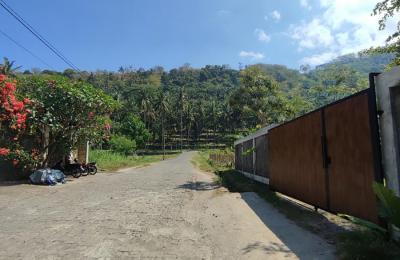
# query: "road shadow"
269,249
199,186
297,240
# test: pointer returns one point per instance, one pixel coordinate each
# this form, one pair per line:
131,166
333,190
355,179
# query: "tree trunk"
181,128
163,137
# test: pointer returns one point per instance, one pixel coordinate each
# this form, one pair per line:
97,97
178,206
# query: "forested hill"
208,104
364,64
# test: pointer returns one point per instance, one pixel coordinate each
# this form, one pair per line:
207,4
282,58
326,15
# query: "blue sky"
105,34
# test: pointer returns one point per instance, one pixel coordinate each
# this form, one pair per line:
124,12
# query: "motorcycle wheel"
76,174
85,172
93,170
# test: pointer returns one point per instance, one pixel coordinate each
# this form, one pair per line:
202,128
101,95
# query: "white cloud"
345,26
223,12
252,55
262,36
312,35
305,4
318,59
276,15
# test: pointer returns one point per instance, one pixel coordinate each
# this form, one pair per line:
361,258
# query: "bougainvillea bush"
67,111
13,125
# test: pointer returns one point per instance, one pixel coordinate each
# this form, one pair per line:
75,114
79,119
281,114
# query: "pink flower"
27,101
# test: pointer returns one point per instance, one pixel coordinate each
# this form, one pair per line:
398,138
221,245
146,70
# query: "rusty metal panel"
351,155
295,159
247,156
261,156
238,157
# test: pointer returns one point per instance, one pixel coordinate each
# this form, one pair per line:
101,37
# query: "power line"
37,35
25,49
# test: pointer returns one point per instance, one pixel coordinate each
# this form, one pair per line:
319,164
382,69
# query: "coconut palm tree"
181,104
7,67
163,108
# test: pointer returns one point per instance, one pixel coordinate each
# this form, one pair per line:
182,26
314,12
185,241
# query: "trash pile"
47,176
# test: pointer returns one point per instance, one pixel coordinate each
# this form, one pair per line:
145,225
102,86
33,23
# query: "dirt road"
165,211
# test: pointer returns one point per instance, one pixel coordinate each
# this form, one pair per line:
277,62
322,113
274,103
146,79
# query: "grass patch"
110,161
365,243
202,161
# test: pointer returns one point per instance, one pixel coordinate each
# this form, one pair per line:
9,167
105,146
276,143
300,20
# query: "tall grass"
110,161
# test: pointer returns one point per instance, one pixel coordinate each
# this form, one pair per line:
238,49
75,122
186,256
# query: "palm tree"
163,108
190,118
147,110
181,103
7,67
213,111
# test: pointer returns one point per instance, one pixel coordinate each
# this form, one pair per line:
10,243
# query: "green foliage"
385,10
132,127
69,110
7,68
203,106
361,64
390,204
366,244
249,151
258,99
122,144
110,161
67,107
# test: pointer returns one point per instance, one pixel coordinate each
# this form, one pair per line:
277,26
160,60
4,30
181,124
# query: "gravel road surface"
167,210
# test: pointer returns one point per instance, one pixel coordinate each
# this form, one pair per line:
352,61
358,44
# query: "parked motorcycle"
83,168
91,168
74,169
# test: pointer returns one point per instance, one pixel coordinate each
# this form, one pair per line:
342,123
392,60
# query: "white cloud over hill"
344,26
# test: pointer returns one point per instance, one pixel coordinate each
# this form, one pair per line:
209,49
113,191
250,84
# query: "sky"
105,34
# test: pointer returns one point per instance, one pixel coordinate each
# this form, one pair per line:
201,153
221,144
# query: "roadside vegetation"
111,161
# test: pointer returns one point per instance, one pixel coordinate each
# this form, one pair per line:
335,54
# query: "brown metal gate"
328,157
295,160
261,152
352,164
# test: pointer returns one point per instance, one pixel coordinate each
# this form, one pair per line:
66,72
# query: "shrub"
135,129
122,144
389,204
13,117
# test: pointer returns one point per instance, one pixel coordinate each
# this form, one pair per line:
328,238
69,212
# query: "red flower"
18,106
3,77
91,114
4,151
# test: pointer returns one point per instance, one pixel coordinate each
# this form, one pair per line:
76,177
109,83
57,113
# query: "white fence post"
254,158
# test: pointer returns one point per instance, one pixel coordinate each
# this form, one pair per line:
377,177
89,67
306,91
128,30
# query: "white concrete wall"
388,102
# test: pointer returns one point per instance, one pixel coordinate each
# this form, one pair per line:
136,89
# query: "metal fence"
251,155
328,158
